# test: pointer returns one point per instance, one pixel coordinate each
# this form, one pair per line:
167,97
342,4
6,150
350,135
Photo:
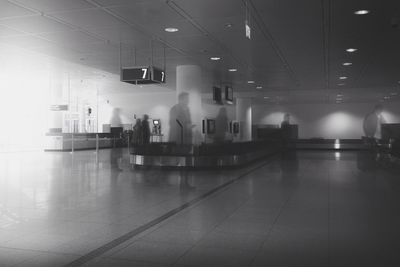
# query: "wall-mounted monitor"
217,95
158,75
234,127
209,126
229,94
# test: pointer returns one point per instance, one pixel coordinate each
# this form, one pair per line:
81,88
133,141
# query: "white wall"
325,120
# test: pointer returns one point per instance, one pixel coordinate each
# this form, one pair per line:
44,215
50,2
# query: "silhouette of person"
145,129
181,113
116,153
372,122
286,120
222,125
137,133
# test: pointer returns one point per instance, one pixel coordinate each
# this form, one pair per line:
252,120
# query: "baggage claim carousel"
235,154
204,155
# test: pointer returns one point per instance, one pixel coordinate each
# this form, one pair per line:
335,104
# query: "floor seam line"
124,238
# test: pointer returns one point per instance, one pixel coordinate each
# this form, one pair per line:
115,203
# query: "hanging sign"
142,75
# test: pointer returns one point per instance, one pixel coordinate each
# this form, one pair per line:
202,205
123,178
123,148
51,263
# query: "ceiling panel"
26,42
70,38
35,24
297,29
90,18
212,8
108,3
5,31
124,34
49,6
9,10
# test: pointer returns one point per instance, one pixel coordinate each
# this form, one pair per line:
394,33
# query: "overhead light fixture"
259,87
250,82
171,29
341,84
228,25
347,64
362,12
351,50
215,58
393,94
232,70
339,95
266,97
343,78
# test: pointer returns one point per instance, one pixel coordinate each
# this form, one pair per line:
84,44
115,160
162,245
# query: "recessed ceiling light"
362,12
351,50
343,78
339,95
171,29
266,97
259,87
251,82
232,70
215,58
228,25
341,84
386,97
347,64
393,94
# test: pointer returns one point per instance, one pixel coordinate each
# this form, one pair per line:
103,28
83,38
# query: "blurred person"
286,120
372,123
181,113
145,129
137,133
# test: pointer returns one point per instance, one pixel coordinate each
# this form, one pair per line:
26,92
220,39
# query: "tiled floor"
301,209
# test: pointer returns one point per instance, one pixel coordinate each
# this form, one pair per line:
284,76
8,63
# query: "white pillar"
189,81
244,116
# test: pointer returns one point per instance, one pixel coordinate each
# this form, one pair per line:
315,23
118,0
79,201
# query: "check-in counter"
78,141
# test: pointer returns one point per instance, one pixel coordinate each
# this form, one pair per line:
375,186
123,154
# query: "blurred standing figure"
137,133
372,122
181,112
146,129
286,120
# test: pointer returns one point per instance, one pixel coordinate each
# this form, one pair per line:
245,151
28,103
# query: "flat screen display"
211,126
156,122
135,74
158,75
229,94
217,95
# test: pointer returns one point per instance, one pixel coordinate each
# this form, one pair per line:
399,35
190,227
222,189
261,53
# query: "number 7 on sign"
144,73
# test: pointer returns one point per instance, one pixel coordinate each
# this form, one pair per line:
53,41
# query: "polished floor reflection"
297,209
